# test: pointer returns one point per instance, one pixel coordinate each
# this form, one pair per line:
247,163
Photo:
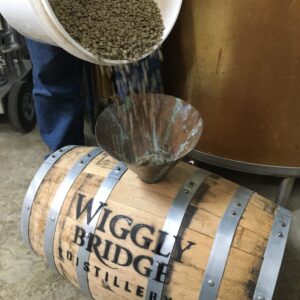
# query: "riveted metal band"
34,187
222,244
172,226
99,202
58,202
273,255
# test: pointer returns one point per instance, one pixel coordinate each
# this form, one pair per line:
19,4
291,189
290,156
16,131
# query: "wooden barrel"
192,236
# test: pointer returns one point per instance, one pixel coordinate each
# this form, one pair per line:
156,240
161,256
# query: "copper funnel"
150,133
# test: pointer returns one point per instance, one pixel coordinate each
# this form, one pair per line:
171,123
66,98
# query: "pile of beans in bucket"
112,29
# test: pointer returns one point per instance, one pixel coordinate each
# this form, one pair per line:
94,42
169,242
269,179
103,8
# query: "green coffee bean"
112,29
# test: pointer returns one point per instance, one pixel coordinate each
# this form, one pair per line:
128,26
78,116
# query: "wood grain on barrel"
149,204
45,195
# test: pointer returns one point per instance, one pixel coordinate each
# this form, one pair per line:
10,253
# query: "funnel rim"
192,131
148,97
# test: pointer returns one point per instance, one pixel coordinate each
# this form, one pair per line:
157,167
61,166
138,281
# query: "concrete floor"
25,276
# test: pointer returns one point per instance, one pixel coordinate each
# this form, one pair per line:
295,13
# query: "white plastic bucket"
36,20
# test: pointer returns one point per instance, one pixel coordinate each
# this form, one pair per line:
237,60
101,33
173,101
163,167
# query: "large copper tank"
238,62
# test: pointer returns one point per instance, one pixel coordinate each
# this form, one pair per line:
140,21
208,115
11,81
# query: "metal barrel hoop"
58,202
222,244
106,188
273,255
34,187
172,226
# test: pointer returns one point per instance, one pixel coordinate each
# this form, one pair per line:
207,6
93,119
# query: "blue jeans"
57,85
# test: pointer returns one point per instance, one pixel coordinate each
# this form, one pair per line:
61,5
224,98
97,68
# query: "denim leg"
57,85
